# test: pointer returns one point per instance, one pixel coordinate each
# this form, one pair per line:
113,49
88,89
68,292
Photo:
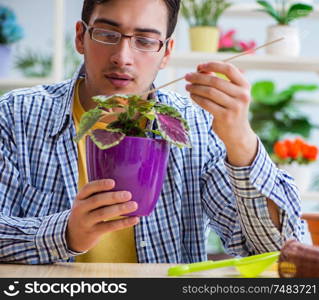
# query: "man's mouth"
119,80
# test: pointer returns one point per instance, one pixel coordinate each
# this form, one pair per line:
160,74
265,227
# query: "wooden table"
109,270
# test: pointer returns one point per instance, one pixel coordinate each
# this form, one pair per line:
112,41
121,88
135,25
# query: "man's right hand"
94,204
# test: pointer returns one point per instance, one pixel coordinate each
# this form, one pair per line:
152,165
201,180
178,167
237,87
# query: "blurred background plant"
203,12
10,30
229,43
285,11
202,17
274,114
31,63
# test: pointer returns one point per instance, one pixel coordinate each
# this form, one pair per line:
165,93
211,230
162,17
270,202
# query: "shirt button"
143,244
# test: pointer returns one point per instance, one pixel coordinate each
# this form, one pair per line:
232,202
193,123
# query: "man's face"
120,68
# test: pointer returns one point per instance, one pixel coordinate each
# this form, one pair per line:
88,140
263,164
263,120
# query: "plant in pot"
202,17
10,32
274,114
128,139
294,156
284,12
32,63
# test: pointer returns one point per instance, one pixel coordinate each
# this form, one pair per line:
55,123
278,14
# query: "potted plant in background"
274,114
10,32
202,17
284,12
128,140
33,63
294,156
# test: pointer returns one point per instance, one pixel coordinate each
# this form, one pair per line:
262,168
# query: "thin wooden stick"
224,60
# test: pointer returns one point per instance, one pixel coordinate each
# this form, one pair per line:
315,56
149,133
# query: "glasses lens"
106,36
146,44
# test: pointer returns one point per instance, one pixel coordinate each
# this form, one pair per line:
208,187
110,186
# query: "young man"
48,210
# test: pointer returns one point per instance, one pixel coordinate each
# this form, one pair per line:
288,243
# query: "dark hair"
172,7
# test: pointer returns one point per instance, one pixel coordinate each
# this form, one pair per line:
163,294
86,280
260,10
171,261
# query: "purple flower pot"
136,164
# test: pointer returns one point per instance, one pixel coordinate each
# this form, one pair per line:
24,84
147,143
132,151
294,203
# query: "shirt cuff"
50,239
255,180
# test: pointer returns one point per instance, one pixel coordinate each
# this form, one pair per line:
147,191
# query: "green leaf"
87,121
274,115
301,126
303,87
298,10
110,101
150,116
270,10
157,132
203,13
262,89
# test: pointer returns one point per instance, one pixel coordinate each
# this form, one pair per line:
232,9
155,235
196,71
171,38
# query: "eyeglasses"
109,37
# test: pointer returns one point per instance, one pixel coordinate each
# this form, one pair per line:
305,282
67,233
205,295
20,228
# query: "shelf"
310,196
249,62
251,10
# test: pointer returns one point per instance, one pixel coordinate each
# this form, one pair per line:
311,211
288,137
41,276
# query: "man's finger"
108,212
105,199
114,225
95,187
208,105
231,72
210,94
211,80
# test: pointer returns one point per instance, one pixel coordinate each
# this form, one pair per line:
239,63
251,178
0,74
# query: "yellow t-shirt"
117,246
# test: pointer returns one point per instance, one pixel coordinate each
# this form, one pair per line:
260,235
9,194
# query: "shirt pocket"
35,202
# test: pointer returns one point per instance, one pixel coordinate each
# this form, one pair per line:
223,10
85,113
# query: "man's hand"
228,101
92,206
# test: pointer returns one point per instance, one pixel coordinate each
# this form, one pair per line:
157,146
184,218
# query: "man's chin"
124,91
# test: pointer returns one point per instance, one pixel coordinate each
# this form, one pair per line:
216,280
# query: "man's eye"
146,42
105,35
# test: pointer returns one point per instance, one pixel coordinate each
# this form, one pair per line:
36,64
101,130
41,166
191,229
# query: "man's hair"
172,7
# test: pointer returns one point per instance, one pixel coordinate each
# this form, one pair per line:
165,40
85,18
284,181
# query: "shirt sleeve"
235,200
252,187
32,240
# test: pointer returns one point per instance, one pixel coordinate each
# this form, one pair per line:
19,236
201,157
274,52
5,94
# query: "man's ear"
79,37
168,52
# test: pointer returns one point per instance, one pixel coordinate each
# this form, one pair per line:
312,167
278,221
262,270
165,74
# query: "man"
48,210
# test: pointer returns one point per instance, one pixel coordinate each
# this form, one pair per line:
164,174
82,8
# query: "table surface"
110,270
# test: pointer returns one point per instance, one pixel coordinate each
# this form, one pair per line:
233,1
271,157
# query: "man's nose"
123,53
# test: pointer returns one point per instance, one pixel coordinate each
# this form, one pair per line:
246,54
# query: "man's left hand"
228,101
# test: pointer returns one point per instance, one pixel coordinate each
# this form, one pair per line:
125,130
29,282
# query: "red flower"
247,45
281,150
227,39
297,149
310,152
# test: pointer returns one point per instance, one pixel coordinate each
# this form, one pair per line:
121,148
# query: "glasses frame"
90,30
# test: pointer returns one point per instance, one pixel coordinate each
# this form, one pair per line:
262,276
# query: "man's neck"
85,98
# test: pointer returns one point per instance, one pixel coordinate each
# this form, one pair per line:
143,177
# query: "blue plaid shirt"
39,175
